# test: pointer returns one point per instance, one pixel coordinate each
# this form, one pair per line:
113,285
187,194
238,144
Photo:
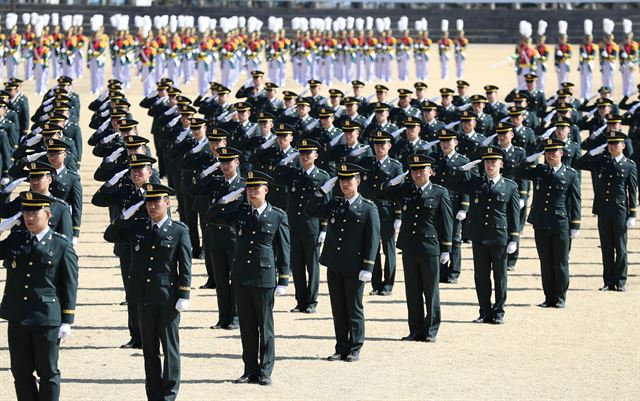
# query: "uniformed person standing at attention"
555,216
349,253
615,187
39,297
307,233
159,285
260,265
493,228
425,240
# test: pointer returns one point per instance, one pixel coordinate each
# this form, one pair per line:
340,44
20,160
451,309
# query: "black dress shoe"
621,288
410,337
560,304
265,381
231,326
545,304
132,344
311,309
452,281
385,293
244,379
511,268
607,288
482,319
430,339
207,286
352,357
374,292
335,357
297,309
124,303
216,326
498,320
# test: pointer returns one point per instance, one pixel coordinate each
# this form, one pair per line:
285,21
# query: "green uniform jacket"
66,186
59,222
373,180
42,281
214,188
160,271
444,174
353,234
20,104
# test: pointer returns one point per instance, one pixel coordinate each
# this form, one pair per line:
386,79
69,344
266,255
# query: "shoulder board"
519,149
57,234
440,187
394,161
63,203
510,181
179,223
365,200
571,169
322,172
278,210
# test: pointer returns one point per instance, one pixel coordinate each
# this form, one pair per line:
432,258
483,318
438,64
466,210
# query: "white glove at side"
117,177
109,138
631,222
64,331
74,241
34,139
182,305
231,196
35,156
532,158
328,186
128,213
321,237
470,165
573,233
113,156
210,169
444,258
11,186
461,215
364,276
280,290
512,247
598,150
397,223
7,224
399,179
521,203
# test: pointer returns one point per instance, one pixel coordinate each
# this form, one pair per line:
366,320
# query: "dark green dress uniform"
492,223
403,147
397,115
66,186
160,275
497,110
429,131
327,138
594,141
10,127
39,296
442,166
375,126
426,232
261,262
172,136
343,153
377,173
524,136
555,211
20,104
351,245
305,230
615,201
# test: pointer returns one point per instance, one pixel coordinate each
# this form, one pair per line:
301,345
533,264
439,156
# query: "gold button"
153,247
338,248
251,242
253,232
250,251
486,224
148,280
25,298
28,274
26,286
151,258
149,269
30,263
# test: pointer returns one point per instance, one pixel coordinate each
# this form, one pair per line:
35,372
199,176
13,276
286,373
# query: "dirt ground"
590,350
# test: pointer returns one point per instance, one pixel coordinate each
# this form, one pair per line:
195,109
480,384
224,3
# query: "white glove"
7,224
599,131
103,126
182,135
444,258
182,305
335,140
328,186
35,156
534,157
117,177
105,113
359,151
548,133
470,165
512,247
280,290
174,121
289,158
364,276
268,143
5,181
631,222
110,138
598,150
488,140
199,147
432,143
251,130
521,202
321,237
451,125
210,169
113,156
74,241
399,179
10,187
64,331
33,140
231,196
573,233
128,213
397,132
461,215
396,225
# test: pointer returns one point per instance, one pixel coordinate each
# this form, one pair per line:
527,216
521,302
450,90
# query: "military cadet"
421,94
599,137
260,265
571,151
241,132
315,87
447,112
303,123
469,140
555,216
336,97
492,226
425,240
494,107
66,184
349,253
445,159
524,137
158,105
537,99
513,157
380,122
379,169
220,238
264,135
327,135
40,177
127,197
351,105
19,103
307,233
431,124
615,184
411,144
159,285
108,144
271,103
398,114
39,297
9,126
484,122
461,98
348,148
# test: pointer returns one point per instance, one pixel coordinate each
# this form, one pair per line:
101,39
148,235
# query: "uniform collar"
261,209
161,222
232,179
619,158
495,179
351,200
41,234
508,149
310,170
60,170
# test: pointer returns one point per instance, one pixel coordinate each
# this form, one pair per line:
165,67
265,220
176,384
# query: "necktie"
490,184
255,217
34,241
154,232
